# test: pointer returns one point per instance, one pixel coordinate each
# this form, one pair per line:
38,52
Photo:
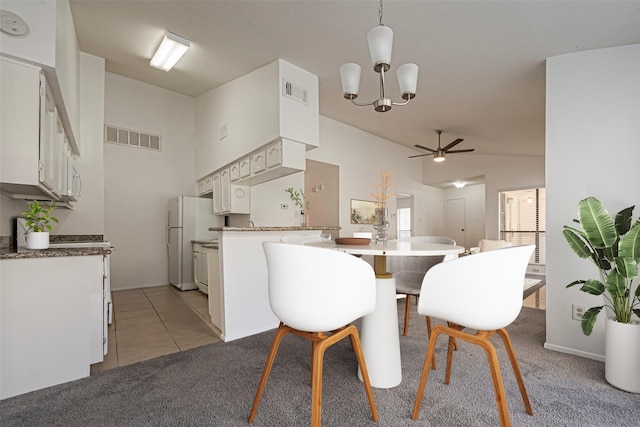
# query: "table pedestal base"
380,338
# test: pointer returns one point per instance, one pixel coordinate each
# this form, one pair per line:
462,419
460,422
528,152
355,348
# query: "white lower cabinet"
50,315
216,302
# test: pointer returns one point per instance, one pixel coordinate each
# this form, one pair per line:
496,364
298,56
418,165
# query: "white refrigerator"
188,218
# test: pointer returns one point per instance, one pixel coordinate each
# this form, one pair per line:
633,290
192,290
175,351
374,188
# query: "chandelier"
380,40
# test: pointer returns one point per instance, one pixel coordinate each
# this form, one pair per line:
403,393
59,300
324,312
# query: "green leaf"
576,242
616,284
637,311
593,287
629,246
597,223
575,282
589,319
627,267
623,220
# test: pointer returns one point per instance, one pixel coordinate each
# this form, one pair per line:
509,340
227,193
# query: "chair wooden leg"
357,348
433,361
498,387
280,333
437,330
316,383
407,308
516,369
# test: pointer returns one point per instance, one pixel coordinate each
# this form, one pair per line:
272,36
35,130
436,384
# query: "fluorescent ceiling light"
459,184
170,51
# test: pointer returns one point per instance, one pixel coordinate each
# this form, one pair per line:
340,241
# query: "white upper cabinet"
277,101
32,139
51,44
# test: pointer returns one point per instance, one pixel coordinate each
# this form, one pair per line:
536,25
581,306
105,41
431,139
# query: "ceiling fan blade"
466,150
420,155
453,144
425,148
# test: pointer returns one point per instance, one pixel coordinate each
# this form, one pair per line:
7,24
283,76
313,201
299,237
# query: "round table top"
393,248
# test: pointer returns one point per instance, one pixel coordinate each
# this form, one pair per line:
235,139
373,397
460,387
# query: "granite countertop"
311,227
9,253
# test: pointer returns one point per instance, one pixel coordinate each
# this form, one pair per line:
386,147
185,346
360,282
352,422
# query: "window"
522,220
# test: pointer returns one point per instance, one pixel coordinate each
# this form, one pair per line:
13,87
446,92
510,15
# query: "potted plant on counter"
298,199
37,224
613,245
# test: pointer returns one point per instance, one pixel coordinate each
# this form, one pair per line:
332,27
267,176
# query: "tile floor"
152,322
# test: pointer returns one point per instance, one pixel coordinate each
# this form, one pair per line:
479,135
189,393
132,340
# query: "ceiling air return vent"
132,138
292,91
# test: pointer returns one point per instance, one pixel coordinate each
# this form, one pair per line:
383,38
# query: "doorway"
454,222
404,216
321,189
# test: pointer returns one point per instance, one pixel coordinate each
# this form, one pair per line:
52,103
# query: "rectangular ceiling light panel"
170,51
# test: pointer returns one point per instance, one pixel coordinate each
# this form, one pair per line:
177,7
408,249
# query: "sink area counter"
310,228
51,252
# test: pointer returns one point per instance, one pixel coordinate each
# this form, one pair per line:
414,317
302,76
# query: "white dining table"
379,332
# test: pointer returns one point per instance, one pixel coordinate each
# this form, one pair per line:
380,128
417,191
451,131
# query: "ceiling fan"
438,155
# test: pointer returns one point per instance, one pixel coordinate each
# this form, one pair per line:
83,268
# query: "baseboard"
574,352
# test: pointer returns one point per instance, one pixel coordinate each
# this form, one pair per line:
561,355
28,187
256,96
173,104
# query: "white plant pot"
38,240
622,355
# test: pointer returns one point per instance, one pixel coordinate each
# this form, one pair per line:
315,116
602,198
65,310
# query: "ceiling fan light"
350,77
170,51
408,80
380,41
438,157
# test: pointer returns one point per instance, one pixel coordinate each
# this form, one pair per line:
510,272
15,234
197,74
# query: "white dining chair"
316,293
409,272
482,292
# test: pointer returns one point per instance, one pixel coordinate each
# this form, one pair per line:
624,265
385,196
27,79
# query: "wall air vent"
132,138
292,91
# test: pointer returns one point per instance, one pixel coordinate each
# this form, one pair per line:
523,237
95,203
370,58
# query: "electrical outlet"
577,311
284,206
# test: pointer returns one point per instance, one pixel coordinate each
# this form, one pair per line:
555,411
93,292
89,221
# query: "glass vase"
381,225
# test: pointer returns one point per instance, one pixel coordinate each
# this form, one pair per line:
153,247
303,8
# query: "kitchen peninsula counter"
238,279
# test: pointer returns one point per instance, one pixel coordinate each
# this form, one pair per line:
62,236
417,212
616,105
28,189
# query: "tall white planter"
622,355
38,240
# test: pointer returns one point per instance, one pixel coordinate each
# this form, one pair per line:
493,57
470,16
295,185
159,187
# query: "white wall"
87,217
361,157
139,182
474,211
500,173
592,147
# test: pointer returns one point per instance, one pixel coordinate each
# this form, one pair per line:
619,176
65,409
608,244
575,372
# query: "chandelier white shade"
172,48
380,40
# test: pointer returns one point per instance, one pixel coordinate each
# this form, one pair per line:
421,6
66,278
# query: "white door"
454,221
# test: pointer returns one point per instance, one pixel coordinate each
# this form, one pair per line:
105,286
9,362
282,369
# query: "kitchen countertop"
7,253
312,227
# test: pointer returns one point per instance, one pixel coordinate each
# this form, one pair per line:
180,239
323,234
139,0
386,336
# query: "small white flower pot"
38,240
622,355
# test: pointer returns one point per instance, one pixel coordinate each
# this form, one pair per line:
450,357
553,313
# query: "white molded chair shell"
481,291
301,239
491,245
316,289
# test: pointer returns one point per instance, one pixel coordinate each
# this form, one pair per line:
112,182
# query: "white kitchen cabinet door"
217,194
245,167
216,295
274,155
48,141
234,171
225,184
258,162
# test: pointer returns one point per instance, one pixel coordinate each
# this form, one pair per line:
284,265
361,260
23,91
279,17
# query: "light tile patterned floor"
152,322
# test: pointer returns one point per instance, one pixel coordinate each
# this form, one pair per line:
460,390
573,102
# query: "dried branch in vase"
383,193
